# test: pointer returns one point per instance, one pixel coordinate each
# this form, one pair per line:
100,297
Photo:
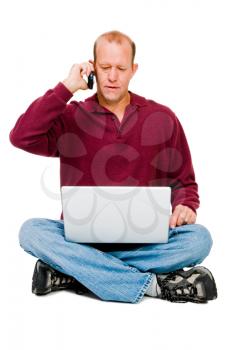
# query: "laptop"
116,214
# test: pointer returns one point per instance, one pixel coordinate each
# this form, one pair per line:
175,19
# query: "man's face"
114,70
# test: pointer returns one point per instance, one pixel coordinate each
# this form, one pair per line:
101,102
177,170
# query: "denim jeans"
115,272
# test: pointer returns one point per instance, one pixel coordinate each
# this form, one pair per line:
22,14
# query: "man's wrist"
71,87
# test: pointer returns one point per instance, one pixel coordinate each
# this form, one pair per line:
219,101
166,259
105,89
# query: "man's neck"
116,107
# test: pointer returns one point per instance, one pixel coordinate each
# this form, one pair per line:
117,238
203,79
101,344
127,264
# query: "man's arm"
185,198
38,129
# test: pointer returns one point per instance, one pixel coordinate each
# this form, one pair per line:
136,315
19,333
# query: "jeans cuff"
144,288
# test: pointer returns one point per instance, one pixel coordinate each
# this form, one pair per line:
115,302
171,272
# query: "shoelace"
61,279
182,291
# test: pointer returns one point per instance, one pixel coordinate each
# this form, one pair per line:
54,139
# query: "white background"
183,52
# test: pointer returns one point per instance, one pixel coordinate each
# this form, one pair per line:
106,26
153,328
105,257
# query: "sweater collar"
91,103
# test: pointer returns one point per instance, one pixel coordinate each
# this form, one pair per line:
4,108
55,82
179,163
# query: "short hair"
117,37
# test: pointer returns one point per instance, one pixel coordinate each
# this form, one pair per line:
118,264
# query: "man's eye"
121,68
105,67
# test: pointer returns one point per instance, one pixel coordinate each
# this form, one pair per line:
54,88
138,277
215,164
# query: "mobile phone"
90,81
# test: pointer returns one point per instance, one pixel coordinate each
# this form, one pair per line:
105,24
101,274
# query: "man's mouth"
111,87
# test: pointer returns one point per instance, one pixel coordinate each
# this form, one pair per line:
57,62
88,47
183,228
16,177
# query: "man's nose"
112,75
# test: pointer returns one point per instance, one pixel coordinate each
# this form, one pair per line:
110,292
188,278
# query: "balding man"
143,144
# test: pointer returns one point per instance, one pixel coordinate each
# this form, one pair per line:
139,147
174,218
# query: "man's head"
114,54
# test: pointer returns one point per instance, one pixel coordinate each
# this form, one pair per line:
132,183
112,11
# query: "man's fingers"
88,67
188,218
85,68
78,75
182,215
192,218
174,217
173,220
181,218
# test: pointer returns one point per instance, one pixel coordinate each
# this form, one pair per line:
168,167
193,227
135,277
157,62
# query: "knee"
26,232
201,241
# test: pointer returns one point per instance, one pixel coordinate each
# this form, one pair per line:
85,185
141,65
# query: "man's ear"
134,68
92,62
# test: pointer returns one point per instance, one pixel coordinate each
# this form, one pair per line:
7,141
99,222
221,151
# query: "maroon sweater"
148,148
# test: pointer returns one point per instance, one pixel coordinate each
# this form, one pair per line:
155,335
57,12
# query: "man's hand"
182,215
75,80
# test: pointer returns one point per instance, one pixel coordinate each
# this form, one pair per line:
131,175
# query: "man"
115,137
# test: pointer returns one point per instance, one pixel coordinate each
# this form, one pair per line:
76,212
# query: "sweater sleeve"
38,129
184,186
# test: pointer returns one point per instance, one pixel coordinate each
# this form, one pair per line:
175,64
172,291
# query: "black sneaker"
196,285
46,280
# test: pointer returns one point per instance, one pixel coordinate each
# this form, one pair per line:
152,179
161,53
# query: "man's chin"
112,97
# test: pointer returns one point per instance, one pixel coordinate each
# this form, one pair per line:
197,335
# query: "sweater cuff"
62,92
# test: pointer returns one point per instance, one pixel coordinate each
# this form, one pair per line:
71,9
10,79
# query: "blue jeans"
116,272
